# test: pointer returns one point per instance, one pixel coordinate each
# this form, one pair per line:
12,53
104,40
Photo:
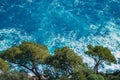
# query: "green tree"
100,77
4,67
14,76
66,60
95,77
64,77
78,75
27,55
100,54
113,76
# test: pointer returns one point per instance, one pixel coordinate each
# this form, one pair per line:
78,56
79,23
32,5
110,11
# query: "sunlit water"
56,23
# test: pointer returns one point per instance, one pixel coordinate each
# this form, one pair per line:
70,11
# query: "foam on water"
57,23
111,40
11,37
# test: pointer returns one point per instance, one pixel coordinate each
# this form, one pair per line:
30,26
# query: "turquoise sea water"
57,23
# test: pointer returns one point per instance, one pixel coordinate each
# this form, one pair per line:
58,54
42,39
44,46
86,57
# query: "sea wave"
12,37
58,23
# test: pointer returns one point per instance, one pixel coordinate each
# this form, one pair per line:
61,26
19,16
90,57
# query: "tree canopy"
100,54
14,76
28,55
4,67
65,59
63,64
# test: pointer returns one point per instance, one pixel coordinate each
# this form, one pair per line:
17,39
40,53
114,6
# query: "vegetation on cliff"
64,64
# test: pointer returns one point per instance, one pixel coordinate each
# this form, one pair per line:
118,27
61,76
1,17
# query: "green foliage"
95,77
28,55
4,67
78,76
14,76
11,54
92,77
100,54
100,77
26,52
63,78
64,64
86,71
113,76
65,59
34,52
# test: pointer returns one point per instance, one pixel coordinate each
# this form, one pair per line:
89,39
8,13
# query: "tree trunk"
39,78
96,68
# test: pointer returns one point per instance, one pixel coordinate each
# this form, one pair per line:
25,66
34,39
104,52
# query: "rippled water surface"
57,23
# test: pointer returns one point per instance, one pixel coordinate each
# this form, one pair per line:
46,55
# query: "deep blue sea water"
56,23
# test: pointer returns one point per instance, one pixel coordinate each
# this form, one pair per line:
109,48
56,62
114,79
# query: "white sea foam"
10,37
111,40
